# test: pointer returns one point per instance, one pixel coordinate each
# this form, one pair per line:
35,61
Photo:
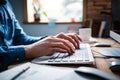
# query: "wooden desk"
100,62
103,63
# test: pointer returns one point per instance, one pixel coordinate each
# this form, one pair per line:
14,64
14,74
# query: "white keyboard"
81,56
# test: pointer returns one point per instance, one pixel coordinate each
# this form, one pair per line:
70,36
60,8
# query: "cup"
85,33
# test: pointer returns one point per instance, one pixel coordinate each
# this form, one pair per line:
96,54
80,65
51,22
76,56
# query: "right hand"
48,46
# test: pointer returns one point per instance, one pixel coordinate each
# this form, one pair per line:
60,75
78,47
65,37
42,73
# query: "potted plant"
37,8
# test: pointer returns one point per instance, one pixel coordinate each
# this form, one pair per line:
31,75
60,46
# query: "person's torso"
6,25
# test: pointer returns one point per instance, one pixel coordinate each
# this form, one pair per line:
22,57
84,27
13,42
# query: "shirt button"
3,25
18,59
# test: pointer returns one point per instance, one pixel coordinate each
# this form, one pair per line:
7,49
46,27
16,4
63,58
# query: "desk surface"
103,63
100,62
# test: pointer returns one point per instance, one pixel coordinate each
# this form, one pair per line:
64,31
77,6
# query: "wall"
37,29
95,7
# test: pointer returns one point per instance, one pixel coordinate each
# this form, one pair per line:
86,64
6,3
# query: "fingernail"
73,50
78,46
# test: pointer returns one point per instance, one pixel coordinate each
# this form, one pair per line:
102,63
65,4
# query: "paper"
36,72
44,72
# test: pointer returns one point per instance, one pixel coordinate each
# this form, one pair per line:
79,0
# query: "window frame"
25,18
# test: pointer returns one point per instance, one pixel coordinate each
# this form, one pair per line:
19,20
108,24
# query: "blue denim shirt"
12,37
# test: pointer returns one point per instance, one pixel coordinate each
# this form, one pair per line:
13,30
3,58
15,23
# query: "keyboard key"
65,59
58,59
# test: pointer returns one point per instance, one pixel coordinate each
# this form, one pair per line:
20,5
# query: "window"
60,11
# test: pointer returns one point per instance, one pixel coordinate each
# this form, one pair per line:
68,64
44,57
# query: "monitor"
115,33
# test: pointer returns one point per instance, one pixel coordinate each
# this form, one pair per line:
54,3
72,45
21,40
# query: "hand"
48,46
72,37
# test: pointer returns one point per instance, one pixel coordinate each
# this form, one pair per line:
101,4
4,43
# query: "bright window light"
58,10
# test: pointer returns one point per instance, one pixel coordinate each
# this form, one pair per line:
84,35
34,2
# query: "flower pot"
37,17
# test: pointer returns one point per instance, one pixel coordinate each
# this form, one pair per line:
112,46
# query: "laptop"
81,56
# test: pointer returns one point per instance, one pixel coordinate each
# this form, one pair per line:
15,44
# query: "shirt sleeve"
16,51
21,38
11,54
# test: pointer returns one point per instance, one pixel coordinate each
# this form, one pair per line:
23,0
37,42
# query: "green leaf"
39,8
35,9
44,13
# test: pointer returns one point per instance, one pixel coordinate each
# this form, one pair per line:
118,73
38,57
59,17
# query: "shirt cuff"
16,53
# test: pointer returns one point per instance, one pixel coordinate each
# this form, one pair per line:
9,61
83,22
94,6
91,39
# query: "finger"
80,39
53,50
63,36
60,45
59,50
76,40
65,42
70,45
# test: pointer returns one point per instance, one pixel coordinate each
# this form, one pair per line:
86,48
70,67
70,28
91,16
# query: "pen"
21,72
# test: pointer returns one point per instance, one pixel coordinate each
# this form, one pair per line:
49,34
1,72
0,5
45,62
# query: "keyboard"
81,56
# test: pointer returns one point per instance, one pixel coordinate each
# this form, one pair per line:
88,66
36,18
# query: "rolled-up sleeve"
16,53
9,55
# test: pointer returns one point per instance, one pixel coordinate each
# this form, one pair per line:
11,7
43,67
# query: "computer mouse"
102,45
94,73
115,66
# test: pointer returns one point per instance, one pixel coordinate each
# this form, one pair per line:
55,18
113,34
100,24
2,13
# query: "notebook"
81,56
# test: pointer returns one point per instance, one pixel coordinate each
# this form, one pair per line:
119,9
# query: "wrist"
28,51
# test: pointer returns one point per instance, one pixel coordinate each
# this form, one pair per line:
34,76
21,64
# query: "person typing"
16,45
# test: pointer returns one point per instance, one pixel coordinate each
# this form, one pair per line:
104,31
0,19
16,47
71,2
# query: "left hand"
72,37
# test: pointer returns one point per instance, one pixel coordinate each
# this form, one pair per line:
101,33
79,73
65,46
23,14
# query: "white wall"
37,29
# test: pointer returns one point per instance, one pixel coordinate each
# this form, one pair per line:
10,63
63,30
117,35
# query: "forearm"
31,50
28,51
